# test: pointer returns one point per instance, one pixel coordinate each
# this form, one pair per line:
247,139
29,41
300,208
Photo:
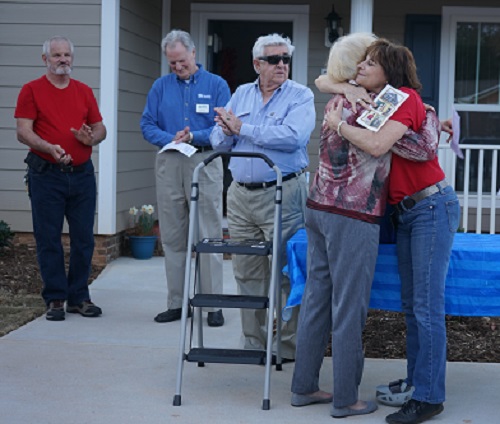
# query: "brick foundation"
107,248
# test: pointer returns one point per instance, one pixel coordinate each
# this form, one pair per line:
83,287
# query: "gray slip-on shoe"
304,400
347,412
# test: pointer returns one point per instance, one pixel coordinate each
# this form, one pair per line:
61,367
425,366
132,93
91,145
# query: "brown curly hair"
397,61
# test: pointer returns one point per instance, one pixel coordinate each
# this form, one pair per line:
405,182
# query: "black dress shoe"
171,315
415,412
215,319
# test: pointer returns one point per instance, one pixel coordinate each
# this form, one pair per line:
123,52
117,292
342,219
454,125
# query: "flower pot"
142,247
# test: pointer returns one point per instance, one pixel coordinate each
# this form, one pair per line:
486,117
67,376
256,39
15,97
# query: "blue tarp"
472,283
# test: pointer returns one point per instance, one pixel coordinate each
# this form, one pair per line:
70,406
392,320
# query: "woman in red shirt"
427,212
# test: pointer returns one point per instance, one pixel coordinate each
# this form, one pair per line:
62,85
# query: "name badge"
202,108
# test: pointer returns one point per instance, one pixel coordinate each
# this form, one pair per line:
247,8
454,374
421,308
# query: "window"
477,63
470,83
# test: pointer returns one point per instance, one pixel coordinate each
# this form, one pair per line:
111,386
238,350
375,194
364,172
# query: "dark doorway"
229,54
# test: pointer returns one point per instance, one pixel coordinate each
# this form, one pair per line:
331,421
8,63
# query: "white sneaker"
396,393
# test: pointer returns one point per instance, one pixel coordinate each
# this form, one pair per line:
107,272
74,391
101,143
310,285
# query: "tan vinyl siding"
140,59
24,26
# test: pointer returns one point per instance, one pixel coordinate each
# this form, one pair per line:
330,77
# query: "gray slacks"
342,253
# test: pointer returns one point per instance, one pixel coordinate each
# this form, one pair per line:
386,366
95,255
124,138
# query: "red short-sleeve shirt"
406,176
55,111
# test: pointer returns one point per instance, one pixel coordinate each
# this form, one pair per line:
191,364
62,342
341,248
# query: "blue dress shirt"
280,129
173,104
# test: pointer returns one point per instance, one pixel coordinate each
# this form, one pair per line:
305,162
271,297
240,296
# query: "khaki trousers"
174,173
251,216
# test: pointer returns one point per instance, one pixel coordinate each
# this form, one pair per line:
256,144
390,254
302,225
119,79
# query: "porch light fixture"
333,28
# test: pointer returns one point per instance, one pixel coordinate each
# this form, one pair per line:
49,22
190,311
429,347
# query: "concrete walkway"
121,368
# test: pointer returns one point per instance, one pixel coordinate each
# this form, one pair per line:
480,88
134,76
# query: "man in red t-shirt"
59,120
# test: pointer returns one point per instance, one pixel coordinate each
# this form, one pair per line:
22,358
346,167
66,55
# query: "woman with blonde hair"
346,201
427,212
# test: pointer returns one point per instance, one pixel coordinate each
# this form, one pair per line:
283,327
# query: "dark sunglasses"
275,59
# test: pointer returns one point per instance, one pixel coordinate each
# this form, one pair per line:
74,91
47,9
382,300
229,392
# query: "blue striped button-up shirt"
280,129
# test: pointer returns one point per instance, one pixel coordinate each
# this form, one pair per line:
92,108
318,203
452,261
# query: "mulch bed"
20,286
470,339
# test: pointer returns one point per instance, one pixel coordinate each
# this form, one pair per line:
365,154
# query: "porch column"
108,93
361,16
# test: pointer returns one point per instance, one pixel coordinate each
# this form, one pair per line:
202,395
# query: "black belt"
70,168
39,164
265,184
409,201
202,149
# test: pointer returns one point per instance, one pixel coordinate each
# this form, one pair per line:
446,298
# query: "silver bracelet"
338,127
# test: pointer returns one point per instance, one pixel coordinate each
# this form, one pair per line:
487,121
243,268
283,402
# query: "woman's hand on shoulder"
356,94
353,93
334,115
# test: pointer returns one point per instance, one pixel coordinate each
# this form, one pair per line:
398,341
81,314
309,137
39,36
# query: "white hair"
177,36
270,40
346,53
47,43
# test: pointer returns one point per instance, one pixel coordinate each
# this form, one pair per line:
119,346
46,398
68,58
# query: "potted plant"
143,239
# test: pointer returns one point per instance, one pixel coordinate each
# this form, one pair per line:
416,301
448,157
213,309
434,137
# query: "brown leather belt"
410,201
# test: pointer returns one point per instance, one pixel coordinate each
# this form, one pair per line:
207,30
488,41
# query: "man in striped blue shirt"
273,116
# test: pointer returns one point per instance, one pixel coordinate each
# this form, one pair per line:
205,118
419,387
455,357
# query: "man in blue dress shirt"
180,109
274,116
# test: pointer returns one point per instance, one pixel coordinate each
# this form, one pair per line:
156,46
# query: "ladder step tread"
227,356
230,301
245,247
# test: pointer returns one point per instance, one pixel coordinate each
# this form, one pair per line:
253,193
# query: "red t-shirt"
54,111
408,177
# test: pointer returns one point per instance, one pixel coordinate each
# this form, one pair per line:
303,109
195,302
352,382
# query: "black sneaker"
415,412
55,311
171,315
215,319
85,309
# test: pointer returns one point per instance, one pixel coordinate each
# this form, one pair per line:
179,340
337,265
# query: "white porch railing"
480,165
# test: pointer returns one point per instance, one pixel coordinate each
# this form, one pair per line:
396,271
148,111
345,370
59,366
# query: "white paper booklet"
386,103
184,148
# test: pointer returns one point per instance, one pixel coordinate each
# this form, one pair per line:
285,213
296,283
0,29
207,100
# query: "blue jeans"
424,241
56,195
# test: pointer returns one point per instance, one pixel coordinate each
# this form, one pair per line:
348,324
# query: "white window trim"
450,16
201,13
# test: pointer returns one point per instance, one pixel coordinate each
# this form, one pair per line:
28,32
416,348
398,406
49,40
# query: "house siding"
139,66
24,26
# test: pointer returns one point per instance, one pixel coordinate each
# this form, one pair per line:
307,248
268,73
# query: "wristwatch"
191,136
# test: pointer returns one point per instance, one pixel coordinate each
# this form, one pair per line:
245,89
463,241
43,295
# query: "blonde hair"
346,53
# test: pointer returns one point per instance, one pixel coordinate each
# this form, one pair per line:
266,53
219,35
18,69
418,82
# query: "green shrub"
6,236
